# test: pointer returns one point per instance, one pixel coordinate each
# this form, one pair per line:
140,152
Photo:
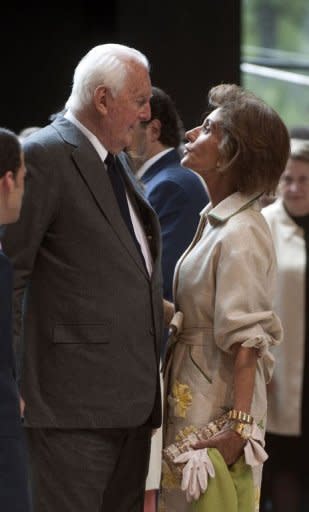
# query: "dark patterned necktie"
120,194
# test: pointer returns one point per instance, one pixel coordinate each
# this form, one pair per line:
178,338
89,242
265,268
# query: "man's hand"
169,310
22,406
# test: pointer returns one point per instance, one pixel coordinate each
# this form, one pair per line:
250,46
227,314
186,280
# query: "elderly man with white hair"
88,295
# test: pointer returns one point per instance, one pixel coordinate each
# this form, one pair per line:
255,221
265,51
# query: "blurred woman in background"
286,473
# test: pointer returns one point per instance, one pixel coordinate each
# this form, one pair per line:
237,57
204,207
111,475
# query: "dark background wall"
191,46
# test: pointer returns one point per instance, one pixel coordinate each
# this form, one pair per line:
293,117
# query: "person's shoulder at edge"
181,177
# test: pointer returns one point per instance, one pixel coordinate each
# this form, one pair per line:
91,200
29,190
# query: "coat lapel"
95,176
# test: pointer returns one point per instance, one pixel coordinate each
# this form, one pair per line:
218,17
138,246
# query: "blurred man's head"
294,182
163,130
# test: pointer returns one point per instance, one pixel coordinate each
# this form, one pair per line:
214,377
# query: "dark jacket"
92,316
10,424
177,195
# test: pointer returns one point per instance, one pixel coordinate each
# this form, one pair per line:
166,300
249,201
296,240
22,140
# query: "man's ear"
8,181
100,99
155,130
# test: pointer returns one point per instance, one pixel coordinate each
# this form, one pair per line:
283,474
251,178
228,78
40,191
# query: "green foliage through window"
276,36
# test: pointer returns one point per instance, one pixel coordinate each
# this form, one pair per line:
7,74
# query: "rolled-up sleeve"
245,280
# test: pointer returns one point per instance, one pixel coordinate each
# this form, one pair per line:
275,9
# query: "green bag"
231,490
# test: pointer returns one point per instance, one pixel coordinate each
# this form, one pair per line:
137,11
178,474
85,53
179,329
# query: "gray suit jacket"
92,317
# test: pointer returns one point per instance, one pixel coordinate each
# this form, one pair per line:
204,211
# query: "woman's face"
201,152
294,187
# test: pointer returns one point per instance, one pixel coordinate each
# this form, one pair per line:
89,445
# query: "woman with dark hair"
218,360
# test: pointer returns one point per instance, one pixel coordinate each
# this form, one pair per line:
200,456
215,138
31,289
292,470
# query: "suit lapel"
146,213
95,176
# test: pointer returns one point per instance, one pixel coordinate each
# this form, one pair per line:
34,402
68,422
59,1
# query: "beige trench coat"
223,285
285,396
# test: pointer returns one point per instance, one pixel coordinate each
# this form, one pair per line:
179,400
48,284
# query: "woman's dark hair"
255,142
10,152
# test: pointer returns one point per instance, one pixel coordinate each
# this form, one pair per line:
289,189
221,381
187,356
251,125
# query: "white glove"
195,473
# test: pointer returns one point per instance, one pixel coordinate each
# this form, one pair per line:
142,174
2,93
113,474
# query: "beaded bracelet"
240,416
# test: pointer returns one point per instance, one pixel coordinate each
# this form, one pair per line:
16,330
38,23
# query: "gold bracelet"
240,416
244,430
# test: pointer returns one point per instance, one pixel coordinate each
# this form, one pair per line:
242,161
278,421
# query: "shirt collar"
290,227
230,206
102,151
146,165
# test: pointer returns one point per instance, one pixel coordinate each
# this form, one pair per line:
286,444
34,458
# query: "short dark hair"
255,141
163,109
10,152
299,131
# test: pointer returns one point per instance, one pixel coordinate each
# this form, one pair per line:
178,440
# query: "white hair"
106,64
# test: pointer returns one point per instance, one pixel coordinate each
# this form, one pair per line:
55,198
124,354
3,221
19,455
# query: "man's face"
140,145
127,109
